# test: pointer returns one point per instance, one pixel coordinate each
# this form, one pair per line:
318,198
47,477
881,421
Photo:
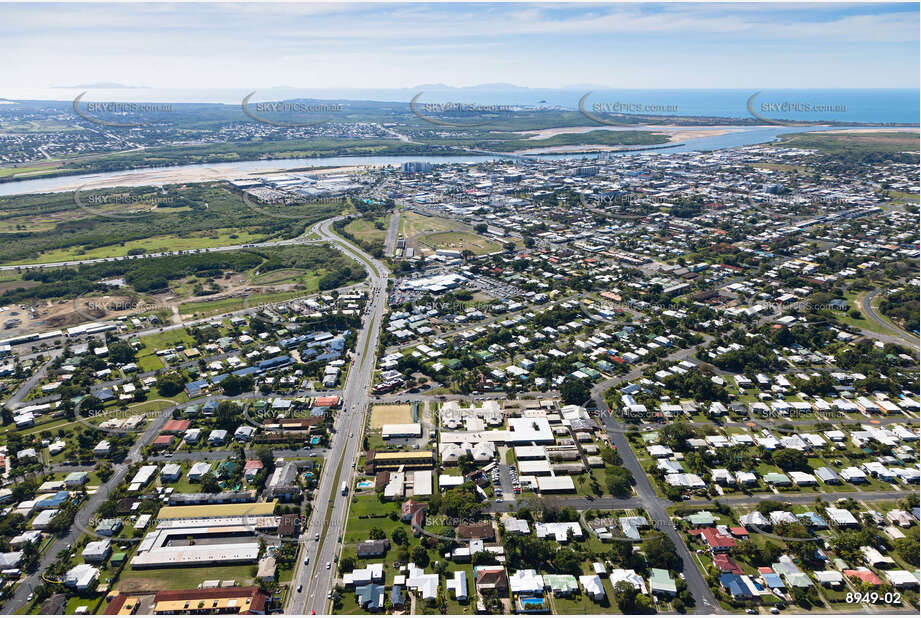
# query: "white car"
328,565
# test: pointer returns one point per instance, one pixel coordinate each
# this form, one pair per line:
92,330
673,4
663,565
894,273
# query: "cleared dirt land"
391,414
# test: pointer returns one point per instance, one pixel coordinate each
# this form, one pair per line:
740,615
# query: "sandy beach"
675,133
167,176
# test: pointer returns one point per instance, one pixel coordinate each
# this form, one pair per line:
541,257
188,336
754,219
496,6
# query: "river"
739,136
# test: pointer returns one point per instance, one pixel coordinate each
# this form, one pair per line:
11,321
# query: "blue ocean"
889,106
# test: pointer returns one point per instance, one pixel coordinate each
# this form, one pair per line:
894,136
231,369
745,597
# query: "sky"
662,46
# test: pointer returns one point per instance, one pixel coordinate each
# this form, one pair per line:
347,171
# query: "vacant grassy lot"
372,232
225,305
154,244
459,241
152,580
412,223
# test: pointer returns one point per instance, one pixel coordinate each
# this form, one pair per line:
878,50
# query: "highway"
312,582
902,337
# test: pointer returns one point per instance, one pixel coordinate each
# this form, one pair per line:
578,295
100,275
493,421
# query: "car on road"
328,564
316,537
306,560
300,587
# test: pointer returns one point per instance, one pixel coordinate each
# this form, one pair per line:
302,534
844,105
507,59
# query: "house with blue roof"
53,501
773,580
370,597
196,388
812,520
275,363
735,586
396,597
104,394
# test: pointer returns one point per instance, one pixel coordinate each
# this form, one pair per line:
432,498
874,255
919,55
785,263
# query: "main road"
320,540
902,336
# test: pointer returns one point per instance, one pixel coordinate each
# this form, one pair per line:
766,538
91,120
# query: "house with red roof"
251,468
409,508
175,426
865,575
726,565
163,441
739,532
714,540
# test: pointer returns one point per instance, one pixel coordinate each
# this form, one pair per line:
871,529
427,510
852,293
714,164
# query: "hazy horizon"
374,46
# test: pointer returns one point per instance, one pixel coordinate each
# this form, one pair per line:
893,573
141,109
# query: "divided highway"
313,581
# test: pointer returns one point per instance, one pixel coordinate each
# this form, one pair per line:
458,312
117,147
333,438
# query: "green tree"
789,459
661,553
209,483
399,537
575,392
170,384
420,556
567,561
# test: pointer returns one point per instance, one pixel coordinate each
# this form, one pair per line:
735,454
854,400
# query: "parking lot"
504,479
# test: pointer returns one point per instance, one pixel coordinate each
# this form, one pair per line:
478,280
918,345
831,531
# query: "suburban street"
85,514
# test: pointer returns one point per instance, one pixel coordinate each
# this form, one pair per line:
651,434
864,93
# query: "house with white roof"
526,581
593,587
627,575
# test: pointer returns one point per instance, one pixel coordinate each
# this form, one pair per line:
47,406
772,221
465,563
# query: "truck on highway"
345,488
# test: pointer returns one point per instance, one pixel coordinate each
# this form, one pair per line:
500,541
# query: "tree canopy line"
156,274
145,213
